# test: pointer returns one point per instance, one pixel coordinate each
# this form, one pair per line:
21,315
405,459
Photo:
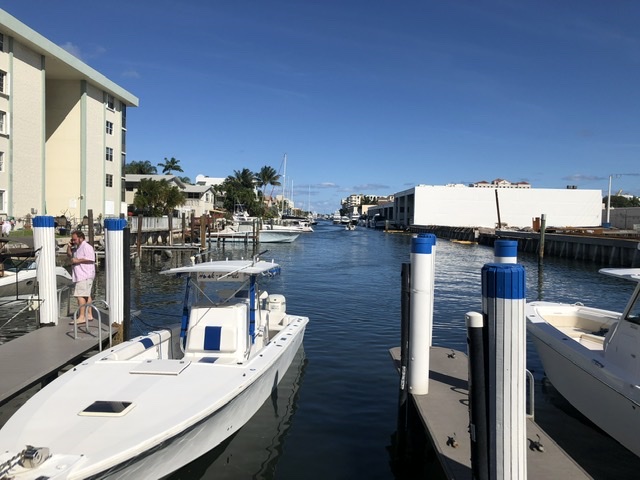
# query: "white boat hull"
23,284
575,363
266,236
210,432
177,417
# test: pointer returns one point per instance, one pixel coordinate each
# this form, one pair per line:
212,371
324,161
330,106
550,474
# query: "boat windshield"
633,311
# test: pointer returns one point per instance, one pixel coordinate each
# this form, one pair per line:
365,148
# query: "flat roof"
60,64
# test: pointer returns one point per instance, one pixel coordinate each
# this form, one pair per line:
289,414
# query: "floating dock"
37,357
444,413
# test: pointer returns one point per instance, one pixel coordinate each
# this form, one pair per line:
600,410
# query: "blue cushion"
212,338
208,359
146,342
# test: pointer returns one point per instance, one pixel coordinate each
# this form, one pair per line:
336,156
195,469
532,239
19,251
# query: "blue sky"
370,96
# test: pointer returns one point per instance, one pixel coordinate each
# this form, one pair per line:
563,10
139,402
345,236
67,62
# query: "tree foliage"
239,189
265,177
140,167
618,201
170,165
156,198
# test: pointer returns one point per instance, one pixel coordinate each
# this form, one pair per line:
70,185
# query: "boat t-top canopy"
227,270
632,274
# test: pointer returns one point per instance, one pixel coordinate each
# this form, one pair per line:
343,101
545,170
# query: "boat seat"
220,330
140,347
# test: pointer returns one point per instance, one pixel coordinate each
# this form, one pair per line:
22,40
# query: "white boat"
592,357
147,407
244,233
350,227
21,284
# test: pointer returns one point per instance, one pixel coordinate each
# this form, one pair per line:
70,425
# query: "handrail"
93,307
531,404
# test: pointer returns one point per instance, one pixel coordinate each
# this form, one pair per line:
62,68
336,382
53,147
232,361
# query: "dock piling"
503,299
44,243
114,254
421,308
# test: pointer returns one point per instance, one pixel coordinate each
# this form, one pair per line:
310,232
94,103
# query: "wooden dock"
38,356
444,413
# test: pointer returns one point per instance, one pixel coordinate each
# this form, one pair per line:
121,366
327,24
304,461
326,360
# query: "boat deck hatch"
107,408
160,367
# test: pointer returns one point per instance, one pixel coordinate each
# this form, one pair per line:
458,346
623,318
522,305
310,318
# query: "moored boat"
151,405
21,284
592,357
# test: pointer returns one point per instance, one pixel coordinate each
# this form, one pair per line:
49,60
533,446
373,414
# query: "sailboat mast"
284,182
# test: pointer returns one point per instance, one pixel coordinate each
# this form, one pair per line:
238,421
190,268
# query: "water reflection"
253,452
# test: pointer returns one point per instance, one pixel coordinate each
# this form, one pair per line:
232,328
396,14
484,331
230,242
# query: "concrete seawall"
602,248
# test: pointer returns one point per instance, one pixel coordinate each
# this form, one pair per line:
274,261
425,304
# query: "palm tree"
239,189
170,165
140,167
267,176
244,178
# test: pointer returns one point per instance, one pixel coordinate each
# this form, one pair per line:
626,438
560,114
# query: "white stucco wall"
63,181
476,207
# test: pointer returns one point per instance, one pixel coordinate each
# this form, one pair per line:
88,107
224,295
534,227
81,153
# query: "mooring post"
478,413
139,240
126,282
90,229
543,226
421,317
114,252
203,233
505,251
403,395
44,242
503,300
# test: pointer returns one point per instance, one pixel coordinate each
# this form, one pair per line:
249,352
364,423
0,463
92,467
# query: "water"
335,412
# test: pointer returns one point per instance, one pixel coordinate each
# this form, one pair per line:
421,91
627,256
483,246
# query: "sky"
370,96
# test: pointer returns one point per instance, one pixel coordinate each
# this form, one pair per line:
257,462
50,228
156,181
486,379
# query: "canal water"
334,414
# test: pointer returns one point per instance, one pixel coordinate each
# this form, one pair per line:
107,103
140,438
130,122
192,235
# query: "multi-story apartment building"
63,129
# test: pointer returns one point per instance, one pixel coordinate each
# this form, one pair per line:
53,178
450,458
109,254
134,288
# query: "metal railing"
93,308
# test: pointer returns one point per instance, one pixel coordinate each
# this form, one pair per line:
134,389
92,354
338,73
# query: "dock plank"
39,355
444,413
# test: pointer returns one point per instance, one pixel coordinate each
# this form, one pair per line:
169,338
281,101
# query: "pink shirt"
84,271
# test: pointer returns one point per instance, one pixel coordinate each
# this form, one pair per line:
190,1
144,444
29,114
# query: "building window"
1,161
123,145
123,159
109,154
109,180
3,82
109,128
111,102
124,116
3,123
1,42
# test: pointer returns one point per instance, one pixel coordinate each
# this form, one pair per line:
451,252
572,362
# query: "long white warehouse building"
461,206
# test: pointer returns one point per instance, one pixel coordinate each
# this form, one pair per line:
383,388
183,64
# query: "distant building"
200,198
500,183
63,128
207,180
